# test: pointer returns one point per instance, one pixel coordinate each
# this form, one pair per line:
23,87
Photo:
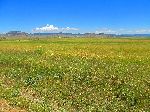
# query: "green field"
75,75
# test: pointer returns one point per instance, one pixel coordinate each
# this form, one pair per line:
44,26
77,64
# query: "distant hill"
135,35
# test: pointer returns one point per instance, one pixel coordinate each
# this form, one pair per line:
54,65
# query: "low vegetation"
75,75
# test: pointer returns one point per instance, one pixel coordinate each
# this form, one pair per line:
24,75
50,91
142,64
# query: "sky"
76,16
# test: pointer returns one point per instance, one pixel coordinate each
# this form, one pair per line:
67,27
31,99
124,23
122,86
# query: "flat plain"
75,75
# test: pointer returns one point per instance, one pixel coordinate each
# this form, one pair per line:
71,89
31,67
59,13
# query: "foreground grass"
75,74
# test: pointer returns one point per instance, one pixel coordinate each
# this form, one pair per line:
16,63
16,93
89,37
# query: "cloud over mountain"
52,28
123,31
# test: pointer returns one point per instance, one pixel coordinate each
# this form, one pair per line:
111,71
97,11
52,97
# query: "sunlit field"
75,75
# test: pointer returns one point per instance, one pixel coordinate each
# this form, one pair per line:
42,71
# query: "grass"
75,75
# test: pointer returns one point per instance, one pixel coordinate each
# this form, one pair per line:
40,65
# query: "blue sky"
108,16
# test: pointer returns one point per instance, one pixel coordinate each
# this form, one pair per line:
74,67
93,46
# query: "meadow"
75,75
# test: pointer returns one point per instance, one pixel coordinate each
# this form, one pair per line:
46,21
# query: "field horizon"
75,75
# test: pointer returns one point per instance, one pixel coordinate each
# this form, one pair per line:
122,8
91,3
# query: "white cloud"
70,29
106,31
143,31
123,31
52,28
